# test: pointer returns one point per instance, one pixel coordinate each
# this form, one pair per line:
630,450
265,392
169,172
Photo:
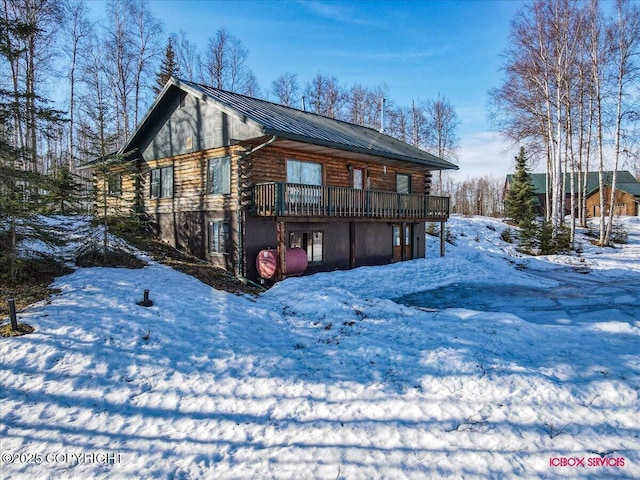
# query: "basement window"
311,242
218,233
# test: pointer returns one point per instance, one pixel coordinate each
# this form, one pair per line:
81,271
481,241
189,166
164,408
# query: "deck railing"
292,199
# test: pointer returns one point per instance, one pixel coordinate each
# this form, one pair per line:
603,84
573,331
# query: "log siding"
270,165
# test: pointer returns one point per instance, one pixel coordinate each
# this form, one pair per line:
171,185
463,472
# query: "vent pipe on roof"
382,115
304,107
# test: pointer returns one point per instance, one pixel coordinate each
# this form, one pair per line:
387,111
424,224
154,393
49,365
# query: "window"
162,182
311,242
114,184
307,173
403,183
358,178
218,231
219,176
396,235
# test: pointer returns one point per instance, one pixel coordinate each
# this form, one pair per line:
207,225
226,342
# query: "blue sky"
418,48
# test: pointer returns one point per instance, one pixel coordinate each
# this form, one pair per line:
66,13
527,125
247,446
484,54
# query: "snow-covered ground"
497,365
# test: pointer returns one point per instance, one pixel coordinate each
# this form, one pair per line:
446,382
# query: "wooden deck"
278,199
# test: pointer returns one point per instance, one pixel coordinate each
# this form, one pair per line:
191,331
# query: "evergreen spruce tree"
22,187
64,191
518,205
547,245
168,68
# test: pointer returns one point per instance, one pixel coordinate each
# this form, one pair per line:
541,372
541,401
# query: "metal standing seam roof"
631,188
624,181
293,124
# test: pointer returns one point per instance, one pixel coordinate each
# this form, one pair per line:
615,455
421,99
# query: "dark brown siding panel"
181,230
164,224
260,234
190,234
373,244
187,231
335,240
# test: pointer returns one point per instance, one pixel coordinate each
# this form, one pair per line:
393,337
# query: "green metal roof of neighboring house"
624,181
297,125
631,188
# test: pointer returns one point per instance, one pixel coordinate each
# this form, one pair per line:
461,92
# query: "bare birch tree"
78,32
325,96
187,56
286,89
598,52
364,106
399,123
555,94
624,35
224,65
441,138
147,30
120,60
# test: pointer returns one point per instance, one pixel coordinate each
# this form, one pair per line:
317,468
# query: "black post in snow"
145,300
12,314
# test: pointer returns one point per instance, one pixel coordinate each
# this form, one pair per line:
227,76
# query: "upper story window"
403,183
219,175
161,182
359,178
307,173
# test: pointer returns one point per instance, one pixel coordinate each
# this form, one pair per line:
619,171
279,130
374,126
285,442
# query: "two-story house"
225,176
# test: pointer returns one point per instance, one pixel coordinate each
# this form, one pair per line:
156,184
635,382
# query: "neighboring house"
225,176
627,195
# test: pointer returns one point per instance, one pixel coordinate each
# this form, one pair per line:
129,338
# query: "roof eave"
126,147
438,165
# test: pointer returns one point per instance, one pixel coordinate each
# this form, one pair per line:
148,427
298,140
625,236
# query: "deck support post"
282,249
442,238
403,241
352,244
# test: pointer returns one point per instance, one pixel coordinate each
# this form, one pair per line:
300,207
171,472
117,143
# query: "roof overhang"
326,149
320,146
